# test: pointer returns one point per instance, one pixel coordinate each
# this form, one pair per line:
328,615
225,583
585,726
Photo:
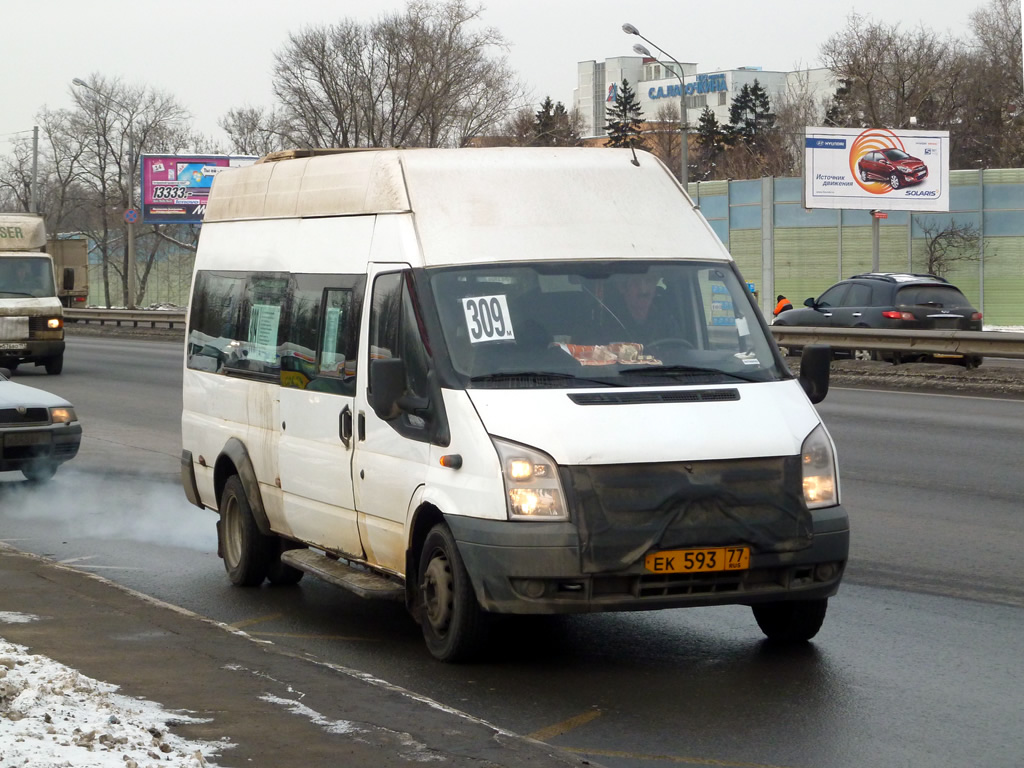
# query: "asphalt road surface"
918,664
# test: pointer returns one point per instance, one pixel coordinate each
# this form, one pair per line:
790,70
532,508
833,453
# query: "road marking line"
76,559
544,734
112,567
670,758
260,620
306,637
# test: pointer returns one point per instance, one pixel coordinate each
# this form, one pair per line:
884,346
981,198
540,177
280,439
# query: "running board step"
363,583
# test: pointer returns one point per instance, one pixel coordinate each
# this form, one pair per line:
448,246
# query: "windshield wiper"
541,376
688,370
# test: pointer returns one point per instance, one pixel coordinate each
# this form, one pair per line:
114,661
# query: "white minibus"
500,381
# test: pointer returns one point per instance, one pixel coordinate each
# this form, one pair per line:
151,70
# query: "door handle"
858,314
345,425
362,426
828,314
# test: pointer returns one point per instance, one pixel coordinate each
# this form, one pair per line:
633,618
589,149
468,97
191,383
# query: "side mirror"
69,278
387,385
809,303
815,362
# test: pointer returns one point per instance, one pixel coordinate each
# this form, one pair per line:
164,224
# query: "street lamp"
131,187
629,29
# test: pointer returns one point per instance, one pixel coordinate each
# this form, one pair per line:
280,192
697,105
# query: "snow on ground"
52,716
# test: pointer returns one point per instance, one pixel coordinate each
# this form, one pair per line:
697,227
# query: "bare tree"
947,244
423,77
893,75
796,108
663,136
118,122
253,131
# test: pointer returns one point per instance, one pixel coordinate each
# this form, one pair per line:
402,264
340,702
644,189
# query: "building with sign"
657,84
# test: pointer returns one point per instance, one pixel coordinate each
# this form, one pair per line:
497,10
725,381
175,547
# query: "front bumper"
534,568
53,444
31,350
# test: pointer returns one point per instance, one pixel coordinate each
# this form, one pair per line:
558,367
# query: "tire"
55,365
863,175
248,554
39,472
973,361
281,574
795,621
894,180
452,622
864,354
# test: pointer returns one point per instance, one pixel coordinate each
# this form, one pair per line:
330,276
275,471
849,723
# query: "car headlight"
532,489
63,414
903,169
54,323
819,468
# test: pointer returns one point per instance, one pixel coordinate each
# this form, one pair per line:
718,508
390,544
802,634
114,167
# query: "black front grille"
12,417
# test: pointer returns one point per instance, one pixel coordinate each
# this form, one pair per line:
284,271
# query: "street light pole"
129,221
684,145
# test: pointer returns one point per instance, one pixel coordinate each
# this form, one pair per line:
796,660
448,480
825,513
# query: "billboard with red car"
876,168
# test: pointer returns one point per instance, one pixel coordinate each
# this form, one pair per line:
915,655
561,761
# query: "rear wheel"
39,471
452,622
863,175
248,554
864,354
793,621
55,365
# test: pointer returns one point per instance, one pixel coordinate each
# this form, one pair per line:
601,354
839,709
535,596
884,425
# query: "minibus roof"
487,204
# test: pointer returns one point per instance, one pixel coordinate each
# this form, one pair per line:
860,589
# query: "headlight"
819,467
54,323
532,490
64,414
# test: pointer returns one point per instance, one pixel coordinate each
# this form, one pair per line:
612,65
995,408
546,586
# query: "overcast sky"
218,54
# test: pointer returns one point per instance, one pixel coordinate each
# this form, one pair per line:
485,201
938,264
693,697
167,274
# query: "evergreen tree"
750,114
553,126
709,132
625,120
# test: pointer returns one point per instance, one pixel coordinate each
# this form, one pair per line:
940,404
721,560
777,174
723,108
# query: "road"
919,662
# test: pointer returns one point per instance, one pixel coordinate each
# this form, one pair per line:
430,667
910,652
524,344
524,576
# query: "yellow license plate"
699,560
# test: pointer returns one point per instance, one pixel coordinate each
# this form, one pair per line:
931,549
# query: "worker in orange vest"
782,305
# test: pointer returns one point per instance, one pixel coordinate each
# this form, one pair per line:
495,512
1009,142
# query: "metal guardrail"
984,343
136,318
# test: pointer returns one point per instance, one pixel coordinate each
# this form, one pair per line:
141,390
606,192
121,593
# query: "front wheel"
793,621
452,622
55,365
248,554
894,180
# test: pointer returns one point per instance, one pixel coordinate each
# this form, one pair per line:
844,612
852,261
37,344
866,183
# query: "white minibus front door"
317,404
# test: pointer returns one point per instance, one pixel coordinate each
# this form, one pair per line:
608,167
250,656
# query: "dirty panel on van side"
625,511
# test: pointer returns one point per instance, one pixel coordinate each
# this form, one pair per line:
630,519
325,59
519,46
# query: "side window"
859,295
395,332
320,338
235,323
719,311
833,297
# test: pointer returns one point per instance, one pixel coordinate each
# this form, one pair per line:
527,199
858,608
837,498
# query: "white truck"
31,315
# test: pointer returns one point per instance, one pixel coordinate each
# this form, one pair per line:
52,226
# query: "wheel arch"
425,517
234,460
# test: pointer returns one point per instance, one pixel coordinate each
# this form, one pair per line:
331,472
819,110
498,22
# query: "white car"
38,430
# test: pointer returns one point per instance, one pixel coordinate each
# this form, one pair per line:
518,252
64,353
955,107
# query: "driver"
640,308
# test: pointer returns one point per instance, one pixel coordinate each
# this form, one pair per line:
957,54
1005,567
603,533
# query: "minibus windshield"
601,323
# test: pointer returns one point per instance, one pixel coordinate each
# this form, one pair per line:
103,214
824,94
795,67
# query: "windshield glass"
601,323
26,277
896,154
